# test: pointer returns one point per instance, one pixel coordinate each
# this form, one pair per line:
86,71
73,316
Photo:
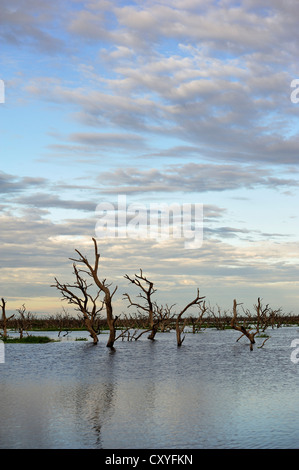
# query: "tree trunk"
4,318
179,330
90,329
110,321
153,332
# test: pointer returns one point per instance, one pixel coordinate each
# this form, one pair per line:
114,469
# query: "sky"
155,102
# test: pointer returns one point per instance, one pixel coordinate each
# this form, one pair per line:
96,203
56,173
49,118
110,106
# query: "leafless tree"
61,319
5,319
179,329
147,290
197,322
135,320
77,294
220,318
24,320
266,316
164,315
262,316
277,318
87,304
247,332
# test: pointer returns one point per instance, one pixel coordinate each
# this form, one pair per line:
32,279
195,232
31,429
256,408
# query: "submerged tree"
266,316
78,294
256,323
197,322
245,331
24,320
147,290
179,329
157,315
164,315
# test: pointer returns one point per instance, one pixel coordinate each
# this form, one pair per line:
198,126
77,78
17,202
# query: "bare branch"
198,300
241,328
146,294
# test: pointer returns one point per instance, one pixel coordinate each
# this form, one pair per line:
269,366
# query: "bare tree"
220,318
5,319
197,322
164,315
277,318
24,320
147,290
266,316
263,315
87,304
247,332
62,319
135,320
180,329
77,294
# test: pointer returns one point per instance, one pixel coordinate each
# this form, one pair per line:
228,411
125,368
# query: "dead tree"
247,332
276,318
77,294
24,320
62,320
263,316
88,304
103,287
147,290
266,316
197,322
5,319
180,329
164,315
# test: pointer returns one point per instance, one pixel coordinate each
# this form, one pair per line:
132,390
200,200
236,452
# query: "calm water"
210,393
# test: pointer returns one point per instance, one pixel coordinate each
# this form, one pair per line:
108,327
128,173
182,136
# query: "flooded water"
211,393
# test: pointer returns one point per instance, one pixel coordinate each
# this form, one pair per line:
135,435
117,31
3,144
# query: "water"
211,393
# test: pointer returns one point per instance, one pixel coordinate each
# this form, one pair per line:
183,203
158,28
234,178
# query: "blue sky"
162,101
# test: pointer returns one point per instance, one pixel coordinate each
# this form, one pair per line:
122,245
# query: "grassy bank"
28,339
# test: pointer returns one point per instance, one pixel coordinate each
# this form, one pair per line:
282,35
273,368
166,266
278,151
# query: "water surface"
211,393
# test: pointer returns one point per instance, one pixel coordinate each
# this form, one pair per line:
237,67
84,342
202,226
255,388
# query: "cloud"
11,183
229,109
220,26
25,23
44,200
104,141
89,25
191,177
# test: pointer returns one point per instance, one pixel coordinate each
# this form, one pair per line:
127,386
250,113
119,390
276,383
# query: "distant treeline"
67,322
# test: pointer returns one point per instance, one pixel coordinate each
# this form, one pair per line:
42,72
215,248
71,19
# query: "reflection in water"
89,406
210,393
